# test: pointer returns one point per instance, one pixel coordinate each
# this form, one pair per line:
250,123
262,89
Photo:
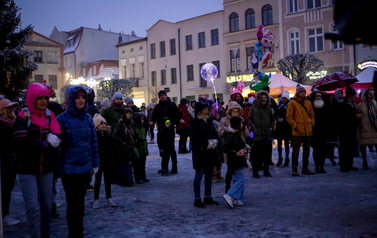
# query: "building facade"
132,63
177,51
48,54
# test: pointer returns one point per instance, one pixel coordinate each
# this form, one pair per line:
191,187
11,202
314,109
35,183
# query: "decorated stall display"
264,80
240,87
209,72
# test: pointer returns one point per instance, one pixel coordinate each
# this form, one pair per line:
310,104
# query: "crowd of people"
77,140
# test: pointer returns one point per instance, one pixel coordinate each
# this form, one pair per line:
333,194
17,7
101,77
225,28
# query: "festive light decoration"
209,72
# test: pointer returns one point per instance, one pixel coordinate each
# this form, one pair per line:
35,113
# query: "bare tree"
107,88
299,67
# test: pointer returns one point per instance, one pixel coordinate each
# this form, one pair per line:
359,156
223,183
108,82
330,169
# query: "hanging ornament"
7,41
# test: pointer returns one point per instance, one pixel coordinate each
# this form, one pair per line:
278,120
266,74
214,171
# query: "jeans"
75,186
37,193
207,182
238,189
97,183
280,148
296,144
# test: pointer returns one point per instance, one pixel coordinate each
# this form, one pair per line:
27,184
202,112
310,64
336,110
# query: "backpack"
28,118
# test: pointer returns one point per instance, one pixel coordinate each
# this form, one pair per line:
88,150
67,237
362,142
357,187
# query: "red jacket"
186,116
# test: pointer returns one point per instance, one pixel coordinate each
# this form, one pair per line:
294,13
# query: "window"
215,37
53,80
190,72
163,77
249,56
189,42
153,78
217,64
153,51
38,78
173,73
190,98
294,40
233,22
132,49
202,39
310,4
336,45
315,40
94,70
267,15
133,70
203,82
292,6
233,59
38,56
142,69
124,71
123,51
162,49
250,18
172,47
141,47
175,99
219,96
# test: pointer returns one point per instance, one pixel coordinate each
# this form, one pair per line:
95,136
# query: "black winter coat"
347,120
200,132
6,142
165,138
106,149
231,145
322,126
283,130
166,109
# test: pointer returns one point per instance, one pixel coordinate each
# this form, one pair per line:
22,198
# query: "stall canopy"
365,78
280,83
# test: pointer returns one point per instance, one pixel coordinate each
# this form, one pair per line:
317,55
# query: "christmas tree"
15,68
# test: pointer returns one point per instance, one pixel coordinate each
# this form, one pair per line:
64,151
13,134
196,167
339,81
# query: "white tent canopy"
280,83
367,75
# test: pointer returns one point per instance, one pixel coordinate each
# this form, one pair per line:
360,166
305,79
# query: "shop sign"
366,64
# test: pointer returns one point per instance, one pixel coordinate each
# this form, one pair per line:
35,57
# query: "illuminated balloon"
209,72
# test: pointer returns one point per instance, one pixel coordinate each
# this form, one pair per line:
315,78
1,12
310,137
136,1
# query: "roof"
52,42
131,42
98,60
75,36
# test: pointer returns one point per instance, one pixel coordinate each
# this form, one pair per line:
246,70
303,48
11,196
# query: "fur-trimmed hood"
364,95
233,105
259,98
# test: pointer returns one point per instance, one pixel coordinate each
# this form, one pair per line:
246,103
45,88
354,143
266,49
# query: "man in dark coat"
92,109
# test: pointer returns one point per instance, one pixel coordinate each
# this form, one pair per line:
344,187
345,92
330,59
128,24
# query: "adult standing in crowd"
166,108
261,121
320,131
92,109
36,130
104,105
333,124
237,97
368,123
300,116
182,128
338,95
204,156
348,123
283,131
7,160
130,104
113,114
150,109
78,156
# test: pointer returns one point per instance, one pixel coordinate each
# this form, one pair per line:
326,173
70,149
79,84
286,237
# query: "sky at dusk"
117,15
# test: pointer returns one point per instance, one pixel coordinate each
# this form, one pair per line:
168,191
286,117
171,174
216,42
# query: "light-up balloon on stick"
209,72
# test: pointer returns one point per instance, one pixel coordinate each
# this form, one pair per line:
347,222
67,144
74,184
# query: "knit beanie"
129,100
350,92
105,103
285,94
235,121
299,89
117,95
161,92
97,119
183,101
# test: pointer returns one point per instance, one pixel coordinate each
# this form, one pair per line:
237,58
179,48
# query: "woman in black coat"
204,156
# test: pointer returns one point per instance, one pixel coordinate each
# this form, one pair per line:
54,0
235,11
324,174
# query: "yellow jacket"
302,122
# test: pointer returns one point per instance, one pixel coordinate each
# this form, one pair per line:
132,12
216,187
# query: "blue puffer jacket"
78,152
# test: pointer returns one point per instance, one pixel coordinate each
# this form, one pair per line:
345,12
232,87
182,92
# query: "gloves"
229,129
212,144
53,140
95,170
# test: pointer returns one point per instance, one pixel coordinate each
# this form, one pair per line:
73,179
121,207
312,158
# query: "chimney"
133,33
99,27
120,39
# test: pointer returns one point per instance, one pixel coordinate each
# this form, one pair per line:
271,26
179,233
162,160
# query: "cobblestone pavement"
335,204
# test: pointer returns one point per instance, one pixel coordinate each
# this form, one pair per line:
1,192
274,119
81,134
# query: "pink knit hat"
6,103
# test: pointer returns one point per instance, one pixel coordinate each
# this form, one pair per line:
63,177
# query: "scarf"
372,114
318,103
7,121
200,116
117,105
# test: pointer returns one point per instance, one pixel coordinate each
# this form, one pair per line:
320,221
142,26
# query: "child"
165,141
235,148
125,136
105,150
142,148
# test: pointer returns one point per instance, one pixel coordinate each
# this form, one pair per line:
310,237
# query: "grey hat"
129,100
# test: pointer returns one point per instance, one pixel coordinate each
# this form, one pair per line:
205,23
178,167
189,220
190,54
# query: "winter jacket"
185,115
261,119
142,145
283,130
34,154
166,109
112,115
106,148
322,126
231,145
125,136
367,132
225,121
200,131
301,120
78,152
165,137
91,109
6,141
347,120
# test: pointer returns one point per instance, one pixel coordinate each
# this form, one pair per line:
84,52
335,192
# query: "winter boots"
294,172
210,201
198,203
305,170
279,162
286,162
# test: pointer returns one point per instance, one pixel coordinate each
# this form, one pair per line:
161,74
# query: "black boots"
286,162
54,213
279,162
198,203
210,201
